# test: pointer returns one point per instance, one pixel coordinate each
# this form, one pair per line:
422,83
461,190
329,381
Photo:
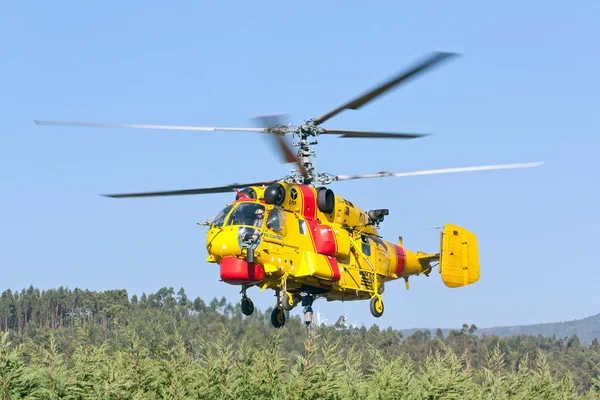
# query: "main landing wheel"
247,306
278,317
376,306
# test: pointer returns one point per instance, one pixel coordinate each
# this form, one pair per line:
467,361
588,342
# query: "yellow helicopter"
299,238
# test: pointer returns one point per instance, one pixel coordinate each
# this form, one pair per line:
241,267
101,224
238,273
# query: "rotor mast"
307,134
306,174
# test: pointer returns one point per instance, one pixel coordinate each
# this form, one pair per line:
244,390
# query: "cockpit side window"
220,217
249,214
276,220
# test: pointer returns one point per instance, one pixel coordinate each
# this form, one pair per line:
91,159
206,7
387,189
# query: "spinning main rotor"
306,134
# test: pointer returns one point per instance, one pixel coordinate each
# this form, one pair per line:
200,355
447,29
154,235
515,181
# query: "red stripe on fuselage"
335,269
309,202
309,209
400,260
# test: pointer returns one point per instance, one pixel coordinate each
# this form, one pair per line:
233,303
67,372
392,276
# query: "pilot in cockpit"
250,237
258,217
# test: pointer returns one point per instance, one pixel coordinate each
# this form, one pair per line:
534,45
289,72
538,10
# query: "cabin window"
302,226
276,220
366,246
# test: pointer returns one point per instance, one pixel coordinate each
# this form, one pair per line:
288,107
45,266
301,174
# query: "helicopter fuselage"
309,240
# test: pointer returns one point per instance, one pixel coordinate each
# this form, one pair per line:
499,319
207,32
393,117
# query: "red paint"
400,260
312,226
243,199
324,240
322,236
237,271
335,269
331,261
309,201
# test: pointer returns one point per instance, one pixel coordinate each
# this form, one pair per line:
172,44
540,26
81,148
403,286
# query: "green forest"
80,344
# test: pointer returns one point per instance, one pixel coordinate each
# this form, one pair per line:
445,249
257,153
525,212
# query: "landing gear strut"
286,301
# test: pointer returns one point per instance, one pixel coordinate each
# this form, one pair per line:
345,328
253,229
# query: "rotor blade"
365,98
216,189
368,134
147,126
284,150
438,171
289,156
275,123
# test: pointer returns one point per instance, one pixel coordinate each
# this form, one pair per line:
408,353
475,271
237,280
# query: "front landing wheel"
376,306
278,317
247,306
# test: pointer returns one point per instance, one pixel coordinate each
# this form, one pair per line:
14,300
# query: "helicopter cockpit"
247,214
249,218
250,214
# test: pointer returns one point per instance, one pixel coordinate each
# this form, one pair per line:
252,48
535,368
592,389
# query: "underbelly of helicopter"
351,284
275,264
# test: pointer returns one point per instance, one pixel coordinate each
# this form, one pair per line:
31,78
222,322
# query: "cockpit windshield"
220,217
249,214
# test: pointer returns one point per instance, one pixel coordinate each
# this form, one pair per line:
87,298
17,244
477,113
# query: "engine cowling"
274,194
325,200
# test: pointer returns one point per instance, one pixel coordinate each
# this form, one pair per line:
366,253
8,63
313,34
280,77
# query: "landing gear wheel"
278,317
287,302
376,306
247,306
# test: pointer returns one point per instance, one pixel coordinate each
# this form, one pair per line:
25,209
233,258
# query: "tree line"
81,344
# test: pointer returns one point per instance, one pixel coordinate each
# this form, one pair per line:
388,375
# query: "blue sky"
527,88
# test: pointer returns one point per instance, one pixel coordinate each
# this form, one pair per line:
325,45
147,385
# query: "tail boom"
458,259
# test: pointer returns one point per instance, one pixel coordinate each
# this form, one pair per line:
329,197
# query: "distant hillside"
586,329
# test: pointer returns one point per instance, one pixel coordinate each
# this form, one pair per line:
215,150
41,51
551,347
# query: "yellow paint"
365,262
459,261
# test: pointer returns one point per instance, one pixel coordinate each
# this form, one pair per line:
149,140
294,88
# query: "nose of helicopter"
225,245
222,242
229,241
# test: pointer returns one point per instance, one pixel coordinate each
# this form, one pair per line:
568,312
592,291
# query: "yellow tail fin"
459,257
